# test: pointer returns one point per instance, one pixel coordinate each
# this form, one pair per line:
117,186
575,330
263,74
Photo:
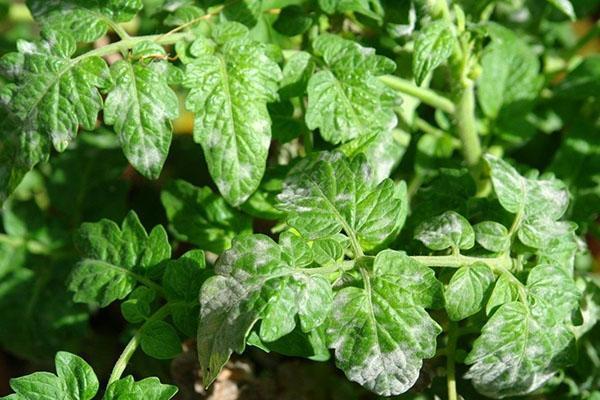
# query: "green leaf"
309,345
492,236
198,216
159,339
246,12
296,73
369,8
140,117
553,292
414,280
329,193
183,15
509,185
137,308
510,74
79,378
516,353
86,20
346,100
468,290
147,389
229,92
523,345
292,21
55,95
433,46
328,250
255,281
505,291
533,198
116,260
383,151
379,334
565,7
538,233
447,230
181,281
74,380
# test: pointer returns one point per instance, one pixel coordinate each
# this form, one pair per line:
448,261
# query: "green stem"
502,263
426,95
123,360
426,127
450,366
122,33
126,44
133,344
465,123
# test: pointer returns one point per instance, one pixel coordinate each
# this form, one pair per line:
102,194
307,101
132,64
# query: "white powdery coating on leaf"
387,374
28,47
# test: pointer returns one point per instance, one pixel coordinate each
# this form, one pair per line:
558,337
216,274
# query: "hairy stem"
426,95
501,263
465,123
126,44
123,360
133,344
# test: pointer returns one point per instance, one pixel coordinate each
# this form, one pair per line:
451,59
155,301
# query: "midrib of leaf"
347,102
227,89
521,212
367,282
357,249
134,275
137,108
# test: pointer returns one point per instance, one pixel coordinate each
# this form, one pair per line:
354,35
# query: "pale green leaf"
509,78
492,236
229,92
447,230
468,290
505,291
379,334
255,281
147,389
433,46
516,353
329,193
346,100
141,116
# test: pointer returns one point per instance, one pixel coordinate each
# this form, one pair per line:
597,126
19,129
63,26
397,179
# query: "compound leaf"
255,282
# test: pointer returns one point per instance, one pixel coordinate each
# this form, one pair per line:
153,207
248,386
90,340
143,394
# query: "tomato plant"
404,190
